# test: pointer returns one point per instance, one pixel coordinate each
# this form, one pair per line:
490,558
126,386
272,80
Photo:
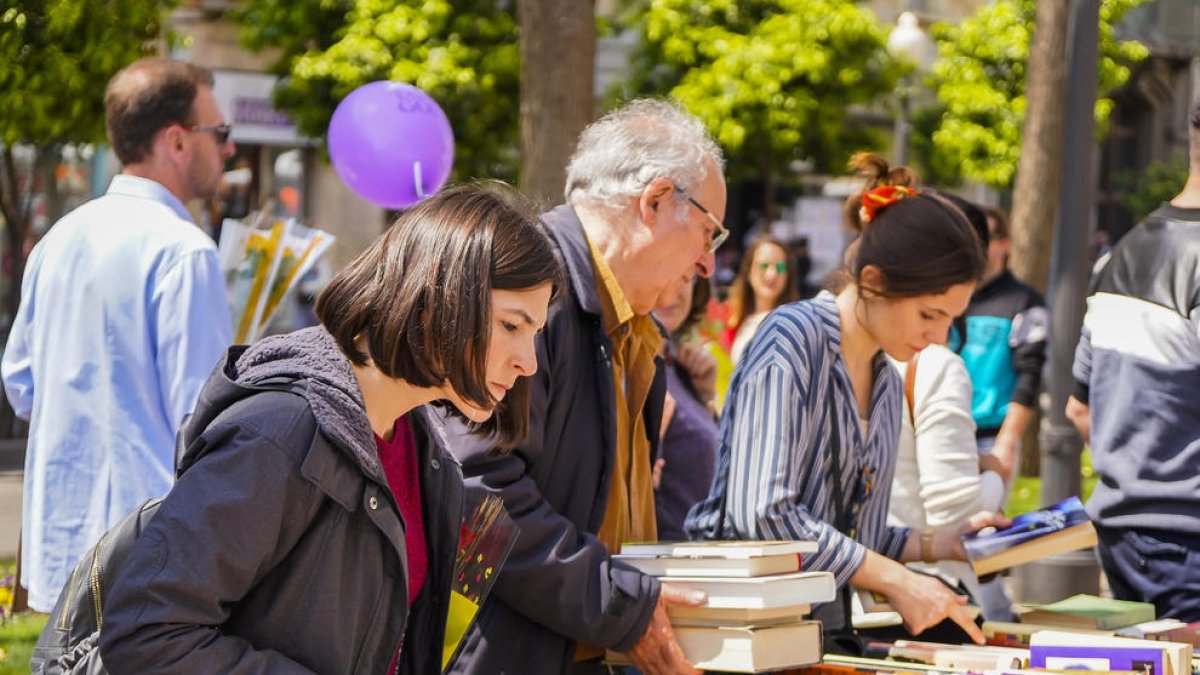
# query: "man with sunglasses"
645,197
122,317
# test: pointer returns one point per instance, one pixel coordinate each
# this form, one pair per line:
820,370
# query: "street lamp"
908,44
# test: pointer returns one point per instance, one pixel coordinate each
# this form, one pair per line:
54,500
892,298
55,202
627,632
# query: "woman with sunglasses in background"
810,427
763,283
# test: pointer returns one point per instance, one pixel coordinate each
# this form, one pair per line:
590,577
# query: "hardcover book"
1090,611
1055,529
684,615
718,549
746,649
1120,652
780,590
676,566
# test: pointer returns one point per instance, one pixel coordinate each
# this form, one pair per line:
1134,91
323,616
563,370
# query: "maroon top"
399,460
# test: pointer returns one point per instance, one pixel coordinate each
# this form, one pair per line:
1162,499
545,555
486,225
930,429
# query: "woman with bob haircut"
810,428
315,520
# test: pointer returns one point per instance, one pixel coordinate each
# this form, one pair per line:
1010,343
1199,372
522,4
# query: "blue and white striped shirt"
774,467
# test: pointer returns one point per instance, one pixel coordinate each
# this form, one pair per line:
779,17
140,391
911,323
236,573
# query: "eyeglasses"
720,234
220,132
780,267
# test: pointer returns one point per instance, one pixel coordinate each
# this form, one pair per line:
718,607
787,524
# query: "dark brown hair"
921,245
741,294
420,295
1000,218
147,96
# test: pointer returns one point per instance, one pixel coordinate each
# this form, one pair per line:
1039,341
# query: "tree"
772,79
558,55
463,53
980,83
58,55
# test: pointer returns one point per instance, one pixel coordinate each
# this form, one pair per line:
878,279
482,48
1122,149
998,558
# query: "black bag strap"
841,515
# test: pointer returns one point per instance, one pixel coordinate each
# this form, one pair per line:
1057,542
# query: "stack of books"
758,598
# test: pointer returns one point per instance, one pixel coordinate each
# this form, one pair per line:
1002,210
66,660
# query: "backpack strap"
910,385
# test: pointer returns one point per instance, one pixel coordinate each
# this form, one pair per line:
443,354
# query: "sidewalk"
10,512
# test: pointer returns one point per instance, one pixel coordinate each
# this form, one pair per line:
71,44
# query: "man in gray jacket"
645,198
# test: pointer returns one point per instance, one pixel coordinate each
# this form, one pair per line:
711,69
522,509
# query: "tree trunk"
558,62
1039,170
1035,194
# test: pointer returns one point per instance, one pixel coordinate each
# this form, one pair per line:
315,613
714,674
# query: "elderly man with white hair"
645,198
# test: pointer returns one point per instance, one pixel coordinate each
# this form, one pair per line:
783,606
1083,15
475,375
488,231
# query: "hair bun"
874,201
878,174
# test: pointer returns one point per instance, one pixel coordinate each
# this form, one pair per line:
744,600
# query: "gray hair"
620,153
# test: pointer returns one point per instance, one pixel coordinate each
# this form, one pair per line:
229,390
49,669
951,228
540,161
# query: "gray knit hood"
307,362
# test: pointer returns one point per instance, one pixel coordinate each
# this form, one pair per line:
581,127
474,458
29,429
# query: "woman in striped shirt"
811,424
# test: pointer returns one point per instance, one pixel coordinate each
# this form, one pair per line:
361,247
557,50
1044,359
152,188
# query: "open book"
1055,529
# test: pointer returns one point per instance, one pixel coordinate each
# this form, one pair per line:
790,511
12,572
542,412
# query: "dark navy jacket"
281,548
559,585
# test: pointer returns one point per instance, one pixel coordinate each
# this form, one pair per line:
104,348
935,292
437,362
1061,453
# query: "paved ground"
10,512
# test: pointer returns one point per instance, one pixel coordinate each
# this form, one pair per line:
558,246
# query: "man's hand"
701,367
657,652
924,601
668,414
947,541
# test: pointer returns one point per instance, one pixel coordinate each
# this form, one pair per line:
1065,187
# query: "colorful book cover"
1066,657
1025,527
485,539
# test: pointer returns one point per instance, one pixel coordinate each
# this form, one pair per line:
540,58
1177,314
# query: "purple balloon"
391,144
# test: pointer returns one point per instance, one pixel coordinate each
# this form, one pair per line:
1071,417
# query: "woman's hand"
924,601
947,541
701,367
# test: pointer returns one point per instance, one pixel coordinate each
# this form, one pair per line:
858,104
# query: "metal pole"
900,131
1062,576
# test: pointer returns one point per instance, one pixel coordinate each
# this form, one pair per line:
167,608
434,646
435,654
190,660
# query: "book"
872,610
746,649
1034,535
1007,634
684,615
780,590
1090,611
961,657
485,538
1077,657
675,566
718,549
1152,630
1121,651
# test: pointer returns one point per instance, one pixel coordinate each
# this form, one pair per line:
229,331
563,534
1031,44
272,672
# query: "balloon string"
420,187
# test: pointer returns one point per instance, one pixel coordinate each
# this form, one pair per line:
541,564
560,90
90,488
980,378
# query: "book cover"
1090,611
1177,657
1055,529
1077,657
780,590
486,536
675,566
718,549
746,649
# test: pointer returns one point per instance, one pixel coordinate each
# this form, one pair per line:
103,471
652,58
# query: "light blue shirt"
123,316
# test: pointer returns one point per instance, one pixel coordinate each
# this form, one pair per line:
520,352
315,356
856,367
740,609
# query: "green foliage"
772,79
57,56
1143,190
980,84
463,53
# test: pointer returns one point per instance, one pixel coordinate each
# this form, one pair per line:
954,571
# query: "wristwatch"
927,545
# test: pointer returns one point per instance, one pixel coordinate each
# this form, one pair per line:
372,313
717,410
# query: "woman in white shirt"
938,481
763,283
